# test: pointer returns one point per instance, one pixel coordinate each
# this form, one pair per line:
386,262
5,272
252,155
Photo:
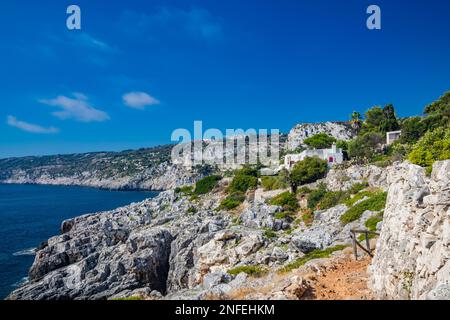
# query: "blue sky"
140,69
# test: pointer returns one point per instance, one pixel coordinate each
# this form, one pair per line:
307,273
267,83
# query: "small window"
331,159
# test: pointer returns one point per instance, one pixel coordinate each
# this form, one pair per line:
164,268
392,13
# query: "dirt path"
344,280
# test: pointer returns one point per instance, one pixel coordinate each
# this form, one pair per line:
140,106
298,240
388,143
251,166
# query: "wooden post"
367,241
355,248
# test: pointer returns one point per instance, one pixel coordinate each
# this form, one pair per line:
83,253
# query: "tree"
356,120
381,120
441,106
320,141
433,146
389,122
412,129
365,146
374,119
307,171
438,113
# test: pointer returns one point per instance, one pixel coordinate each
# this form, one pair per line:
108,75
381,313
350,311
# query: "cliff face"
148,169
164,247
412,259
339,130
152,168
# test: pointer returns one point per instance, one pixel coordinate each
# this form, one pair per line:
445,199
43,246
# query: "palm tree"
356,120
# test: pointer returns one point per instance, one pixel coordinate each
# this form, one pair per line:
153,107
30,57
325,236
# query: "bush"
441,106
365,146
320,141
412,129
307,217
255,271
307,171
376,203
247,171
192,210
331,199
350,201
269,234
304,191
186,190
316,195
232,201
380,120
243,183
286,200
206,185
371,223
357,187
342,144
274,183
433,146
316,254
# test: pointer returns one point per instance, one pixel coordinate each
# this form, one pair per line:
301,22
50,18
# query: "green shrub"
316,254
192,210
433,146
243,183
371,223
357,187
274,183
361,195
307,217
232,201
269,233
320,141
331,199
206,185
255,271
376,203
304,191
441,106
365,146
186,190
307,171
316,195
247,171
286,200
342,144
412,129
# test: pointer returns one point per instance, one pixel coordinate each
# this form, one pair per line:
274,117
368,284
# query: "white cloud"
88,41
139,100
29,127
77,108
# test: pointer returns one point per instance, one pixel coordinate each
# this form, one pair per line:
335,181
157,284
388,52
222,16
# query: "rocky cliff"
151,168
412,258
176,247
147,169
339,130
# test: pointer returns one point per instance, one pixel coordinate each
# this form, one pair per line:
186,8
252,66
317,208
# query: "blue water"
30,214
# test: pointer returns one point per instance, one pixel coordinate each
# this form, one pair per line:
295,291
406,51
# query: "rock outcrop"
412,259
179,247
340,179
339,130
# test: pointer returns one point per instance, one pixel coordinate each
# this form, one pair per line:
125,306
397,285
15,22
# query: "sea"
30,214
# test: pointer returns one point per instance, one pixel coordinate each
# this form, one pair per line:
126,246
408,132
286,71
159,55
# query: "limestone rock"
412,259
